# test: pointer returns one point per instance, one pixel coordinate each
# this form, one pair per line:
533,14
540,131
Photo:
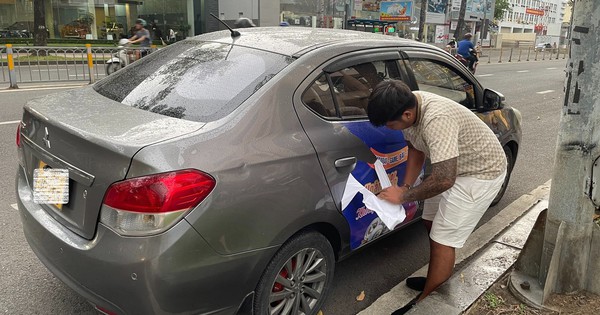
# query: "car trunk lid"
94,138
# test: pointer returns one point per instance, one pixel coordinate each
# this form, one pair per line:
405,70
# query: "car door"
331,104
439,73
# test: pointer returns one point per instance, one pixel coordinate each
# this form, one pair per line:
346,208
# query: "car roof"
295,41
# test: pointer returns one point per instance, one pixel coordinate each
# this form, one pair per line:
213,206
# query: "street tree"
562,253
422,18
40,33
501,7
460,26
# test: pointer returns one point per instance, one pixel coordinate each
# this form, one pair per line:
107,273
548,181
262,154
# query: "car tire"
510,159
286,288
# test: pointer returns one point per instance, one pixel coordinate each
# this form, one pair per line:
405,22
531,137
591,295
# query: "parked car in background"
543,46
208,177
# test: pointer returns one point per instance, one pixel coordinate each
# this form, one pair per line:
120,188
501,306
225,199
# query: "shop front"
102,19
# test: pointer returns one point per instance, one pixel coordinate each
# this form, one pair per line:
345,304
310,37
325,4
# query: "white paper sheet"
389,213
384,179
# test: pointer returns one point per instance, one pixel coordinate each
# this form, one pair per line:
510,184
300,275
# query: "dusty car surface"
207,178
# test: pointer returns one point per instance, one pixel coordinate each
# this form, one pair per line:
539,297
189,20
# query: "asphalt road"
534,87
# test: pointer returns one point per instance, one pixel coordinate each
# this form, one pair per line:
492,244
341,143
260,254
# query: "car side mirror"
492,100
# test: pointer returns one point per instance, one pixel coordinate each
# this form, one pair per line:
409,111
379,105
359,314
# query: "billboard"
436,11
534,11
396,10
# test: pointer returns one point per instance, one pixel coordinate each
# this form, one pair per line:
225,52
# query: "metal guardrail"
515,54
49,64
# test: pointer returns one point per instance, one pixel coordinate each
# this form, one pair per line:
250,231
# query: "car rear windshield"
193,80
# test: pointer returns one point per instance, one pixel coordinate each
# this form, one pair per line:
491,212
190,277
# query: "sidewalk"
492,249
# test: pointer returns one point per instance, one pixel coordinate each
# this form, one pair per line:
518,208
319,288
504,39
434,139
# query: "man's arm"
414,165
442,177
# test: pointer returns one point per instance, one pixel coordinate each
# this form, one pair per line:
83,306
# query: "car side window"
318,98
352,87
435,77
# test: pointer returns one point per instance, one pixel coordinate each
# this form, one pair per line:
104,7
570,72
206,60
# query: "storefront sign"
396,10
370,5
436,11
358,5
441,34
455,5
534,12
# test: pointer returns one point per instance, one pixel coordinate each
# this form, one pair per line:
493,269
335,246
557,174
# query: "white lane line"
485,75
10,122
523,71
14,206
545,92
551,68
40,88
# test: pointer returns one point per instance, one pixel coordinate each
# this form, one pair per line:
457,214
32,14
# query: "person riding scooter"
467,50
142,36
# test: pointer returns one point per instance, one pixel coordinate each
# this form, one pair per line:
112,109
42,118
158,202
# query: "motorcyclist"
142,36
466,49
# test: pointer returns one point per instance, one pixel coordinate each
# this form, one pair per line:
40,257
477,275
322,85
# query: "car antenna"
234,33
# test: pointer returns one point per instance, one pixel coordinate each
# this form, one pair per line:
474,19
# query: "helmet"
468,35
244,22
123,41
142,22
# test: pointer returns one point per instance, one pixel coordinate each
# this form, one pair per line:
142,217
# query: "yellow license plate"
50,185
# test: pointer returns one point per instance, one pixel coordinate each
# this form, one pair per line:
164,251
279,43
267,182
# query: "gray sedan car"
208,177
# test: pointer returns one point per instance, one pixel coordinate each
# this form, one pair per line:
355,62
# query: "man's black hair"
388,101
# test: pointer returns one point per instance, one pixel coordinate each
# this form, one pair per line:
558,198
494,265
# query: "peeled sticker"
389,213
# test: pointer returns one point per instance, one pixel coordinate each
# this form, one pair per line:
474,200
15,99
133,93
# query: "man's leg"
472,60
441,265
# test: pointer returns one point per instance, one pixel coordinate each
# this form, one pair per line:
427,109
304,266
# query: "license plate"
50,185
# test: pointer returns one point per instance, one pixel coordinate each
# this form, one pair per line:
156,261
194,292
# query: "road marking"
551,68
14,205
41,88
10,122
485,75
523,71
545,92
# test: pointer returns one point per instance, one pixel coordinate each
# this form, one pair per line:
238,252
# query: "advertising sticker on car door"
391,149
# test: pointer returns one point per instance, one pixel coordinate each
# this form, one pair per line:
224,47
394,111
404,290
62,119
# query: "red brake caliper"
278,287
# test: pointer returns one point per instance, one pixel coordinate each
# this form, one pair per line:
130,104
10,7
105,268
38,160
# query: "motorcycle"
465,61
121,58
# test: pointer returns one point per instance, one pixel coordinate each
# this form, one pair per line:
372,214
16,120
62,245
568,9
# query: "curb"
502,239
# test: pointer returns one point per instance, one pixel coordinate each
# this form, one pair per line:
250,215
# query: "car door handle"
345,162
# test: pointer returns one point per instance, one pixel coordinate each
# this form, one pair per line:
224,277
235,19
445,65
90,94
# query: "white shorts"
460,209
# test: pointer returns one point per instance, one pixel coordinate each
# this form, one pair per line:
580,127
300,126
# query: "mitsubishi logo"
46,138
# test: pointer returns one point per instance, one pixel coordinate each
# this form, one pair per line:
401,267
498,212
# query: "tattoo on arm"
442,177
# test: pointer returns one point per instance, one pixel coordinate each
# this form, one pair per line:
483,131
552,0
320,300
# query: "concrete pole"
565,264
562,253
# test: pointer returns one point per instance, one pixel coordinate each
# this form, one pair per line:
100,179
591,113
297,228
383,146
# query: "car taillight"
19,135
152,204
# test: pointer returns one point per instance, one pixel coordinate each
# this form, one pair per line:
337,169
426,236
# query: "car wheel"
510,159
112,68
298,278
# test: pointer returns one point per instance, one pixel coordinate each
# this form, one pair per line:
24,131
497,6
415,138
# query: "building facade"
544,18
112,19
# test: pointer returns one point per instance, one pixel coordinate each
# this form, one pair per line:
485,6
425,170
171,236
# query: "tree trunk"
460,26
40,33
422,18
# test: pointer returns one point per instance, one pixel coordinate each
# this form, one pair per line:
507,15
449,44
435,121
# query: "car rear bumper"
175,272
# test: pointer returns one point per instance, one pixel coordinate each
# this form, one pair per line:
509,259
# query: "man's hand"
393,194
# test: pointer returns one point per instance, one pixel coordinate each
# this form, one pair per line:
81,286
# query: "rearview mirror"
492,100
